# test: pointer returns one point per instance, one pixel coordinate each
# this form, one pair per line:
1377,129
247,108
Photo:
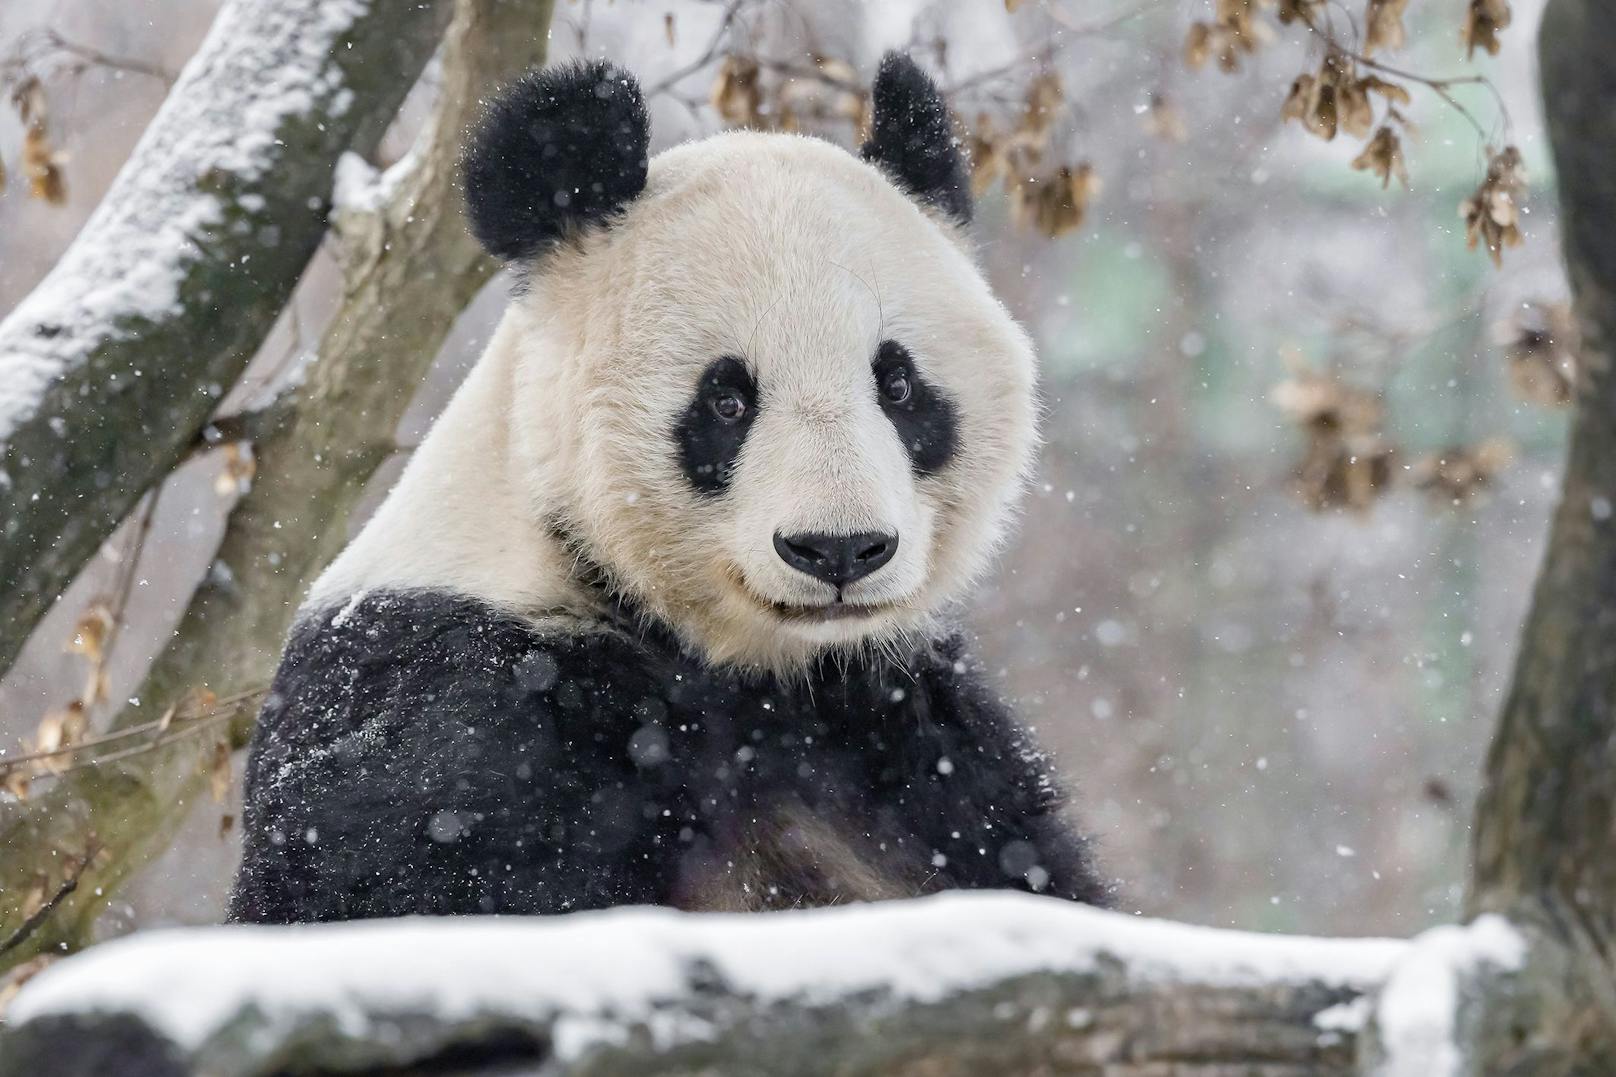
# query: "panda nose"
836,559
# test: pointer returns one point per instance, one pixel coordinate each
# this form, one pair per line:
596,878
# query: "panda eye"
895,385
728,406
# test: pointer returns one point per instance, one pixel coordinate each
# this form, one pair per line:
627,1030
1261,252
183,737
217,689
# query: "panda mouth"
838,609
829,611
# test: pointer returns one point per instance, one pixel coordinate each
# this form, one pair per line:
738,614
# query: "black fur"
912,138
421,753
562,148
925,421
708,444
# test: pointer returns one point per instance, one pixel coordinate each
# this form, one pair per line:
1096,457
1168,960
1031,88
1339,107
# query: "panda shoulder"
394,656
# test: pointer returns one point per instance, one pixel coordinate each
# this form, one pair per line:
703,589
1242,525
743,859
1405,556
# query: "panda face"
775,401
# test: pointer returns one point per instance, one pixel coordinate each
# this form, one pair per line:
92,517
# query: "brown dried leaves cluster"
827,92
1349,462
1046,195
1233,32
1352,93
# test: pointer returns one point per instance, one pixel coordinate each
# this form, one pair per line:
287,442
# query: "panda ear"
912,138
562,148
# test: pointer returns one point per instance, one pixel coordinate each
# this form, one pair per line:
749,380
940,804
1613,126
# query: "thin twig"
229,706
196,725
1045,53
714,46
41,914
32,50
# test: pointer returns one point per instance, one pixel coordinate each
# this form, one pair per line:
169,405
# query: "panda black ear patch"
562,148
912,138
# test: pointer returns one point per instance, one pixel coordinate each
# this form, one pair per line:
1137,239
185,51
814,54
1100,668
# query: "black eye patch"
714,426
923,416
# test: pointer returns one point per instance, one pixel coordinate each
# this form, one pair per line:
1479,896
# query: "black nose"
836,559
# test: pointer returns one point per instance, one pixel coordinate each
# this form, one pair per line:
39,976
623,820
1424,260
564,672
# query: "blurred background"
1270,685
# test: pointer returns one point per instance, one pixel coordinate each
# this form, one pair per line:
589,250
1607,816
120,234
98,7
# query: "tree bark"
410,267
1546,819
960,984
111,366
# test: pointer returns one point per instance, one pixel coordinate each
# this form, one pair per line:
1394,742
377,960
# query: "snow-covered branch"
957,983
111,366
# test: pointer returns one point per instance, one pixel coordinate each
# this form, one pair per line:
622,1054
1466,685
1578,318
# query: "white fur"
798,257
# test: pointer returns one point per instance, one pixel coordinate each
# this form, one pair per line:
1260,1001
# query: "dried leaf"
1541,344
1355,113
60,728
1492,213
15,781
1044,101
43,166
1384,157
1324,404
1391,91
33,898
227,823
738,93
1198,45
1055,204
1483,21
1460,472
1164,121
988,152
1226,40
95,686
1305,11
1347,463
219,772
668,30
91,631
1383,26
1012,5
235,477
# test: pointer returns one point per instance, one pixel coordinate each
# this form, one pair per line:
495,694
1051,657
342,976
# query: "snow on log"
109,368
960,983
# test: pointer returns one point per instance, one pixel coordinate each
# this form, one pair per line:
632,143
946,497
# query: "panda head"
760,383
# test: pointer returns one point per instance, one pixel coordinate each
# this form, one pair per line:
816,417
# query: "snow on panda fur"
656,613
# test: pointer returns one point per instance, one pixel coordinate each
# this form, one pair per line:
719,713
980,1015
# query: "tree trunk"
410,267
958,984
110,367
1545,823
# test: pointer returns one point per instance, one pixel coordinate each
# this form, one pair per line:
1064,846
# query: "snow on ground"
597,971
259,65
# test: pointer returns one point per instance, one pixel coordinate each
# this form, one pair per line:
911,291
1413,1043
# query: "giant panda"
659,611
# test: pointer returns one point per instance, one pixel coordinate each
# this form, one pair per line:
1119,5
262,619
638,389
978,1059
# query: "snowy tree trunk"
959,984
410,267
111,366
1544,850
